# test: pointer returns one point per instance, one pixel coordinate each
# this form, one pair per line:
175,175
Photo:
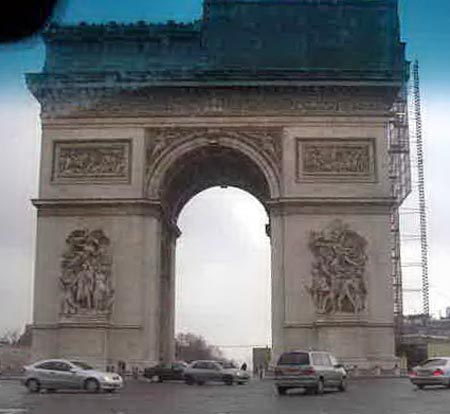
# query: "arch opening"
211,166
208,166
223,268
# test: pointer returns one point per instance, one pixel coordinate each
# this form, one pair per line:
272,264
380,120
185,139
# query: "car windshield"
81,365
294,358
227,365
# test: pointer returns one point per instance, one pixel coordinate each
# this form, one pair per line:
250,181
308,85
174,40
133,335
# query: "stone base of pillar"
104,346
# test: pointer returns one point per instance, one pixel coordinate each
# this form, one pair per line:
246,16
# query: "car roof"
49,360
303,351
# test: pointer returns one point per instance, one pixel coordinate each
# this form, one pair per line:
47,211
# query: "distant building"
447,312
425,337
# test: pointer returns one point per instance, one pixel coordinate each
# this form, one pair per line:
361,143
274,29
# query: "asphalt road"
376,396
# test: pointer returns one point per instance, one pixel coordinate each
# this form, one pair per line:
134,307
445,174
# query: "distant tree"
190,347
10,337
15,338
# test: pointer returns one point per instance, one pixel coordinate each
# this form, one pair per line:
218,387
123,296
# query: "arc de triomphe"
138,118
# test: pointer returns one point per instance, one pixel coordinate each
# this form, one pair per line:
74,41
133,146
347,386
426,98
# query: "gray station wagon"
311,370
63,374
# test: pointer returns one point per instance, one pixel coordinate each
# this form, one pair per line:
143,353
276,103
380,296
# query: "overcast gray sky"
223,246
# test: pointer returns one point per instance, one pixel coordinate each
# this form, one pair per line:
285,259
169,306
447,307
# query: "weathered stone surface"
331,159
86,279
95,161
338,280
128,141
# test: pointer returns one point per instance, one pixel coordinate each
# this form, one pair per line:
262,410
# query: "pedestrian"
244,366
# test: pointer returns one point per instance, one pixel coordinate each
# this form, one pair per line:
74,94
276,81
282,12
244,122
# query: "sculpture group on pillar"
86,274
338,284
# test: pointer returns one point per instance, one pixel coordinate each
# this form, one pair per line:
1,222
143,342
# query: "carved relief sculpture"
92,160
336,159
86,274
263,140
338,284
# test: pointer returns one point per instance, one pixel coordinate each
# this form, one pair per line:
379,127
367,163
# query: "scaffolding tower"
400,176
421,192
407,178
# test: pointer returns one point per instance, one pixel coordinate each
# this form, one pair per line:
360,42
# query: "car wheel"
343,385
200,382
111,390
189,380
91,385
241,382
282,390
420,386
228,380
33,385
320,387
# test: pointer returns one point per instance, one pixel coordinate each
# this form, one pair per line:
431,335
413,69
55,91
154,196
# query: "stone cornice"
202,77
97,99
338,323
115,30
97,207
90,325
327,205
106,208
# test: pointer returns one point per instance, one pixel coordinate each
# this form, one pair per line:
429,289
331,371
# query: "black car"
166,372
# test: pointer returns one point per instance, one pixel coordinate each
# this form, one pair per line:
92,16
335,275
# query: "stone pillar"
170,233
277,230
334,291
130,331
92,183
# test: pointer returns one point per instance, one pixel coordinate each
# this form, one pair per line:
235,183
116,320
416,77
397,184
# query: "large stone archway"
193,160
132,132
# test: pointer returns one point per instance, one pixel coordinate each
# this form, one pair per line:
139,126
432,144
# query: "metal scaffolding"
421,190
407,176
400,176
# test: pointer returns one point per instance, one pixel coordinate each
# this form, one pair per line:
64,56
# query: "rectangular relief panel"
92,161
335,159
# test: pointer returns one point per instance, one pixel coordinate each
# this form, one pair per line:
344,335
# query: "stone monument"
291,101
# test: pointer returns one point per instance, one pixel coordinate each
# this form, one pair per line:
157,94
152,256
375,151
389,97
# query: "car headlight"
107,378
239,374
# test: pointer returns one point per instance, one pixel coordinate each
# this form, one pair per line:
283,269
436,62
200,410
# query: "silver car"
199,372
311,370
434,371
57,374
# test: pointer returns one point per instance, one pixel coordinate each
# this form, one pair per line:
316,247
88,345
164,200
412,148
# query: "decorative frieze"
338,270
138,98
78,162
86,280
335,159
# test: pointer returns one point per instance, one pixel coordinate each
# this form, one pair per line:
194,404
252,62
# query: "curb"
10,378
